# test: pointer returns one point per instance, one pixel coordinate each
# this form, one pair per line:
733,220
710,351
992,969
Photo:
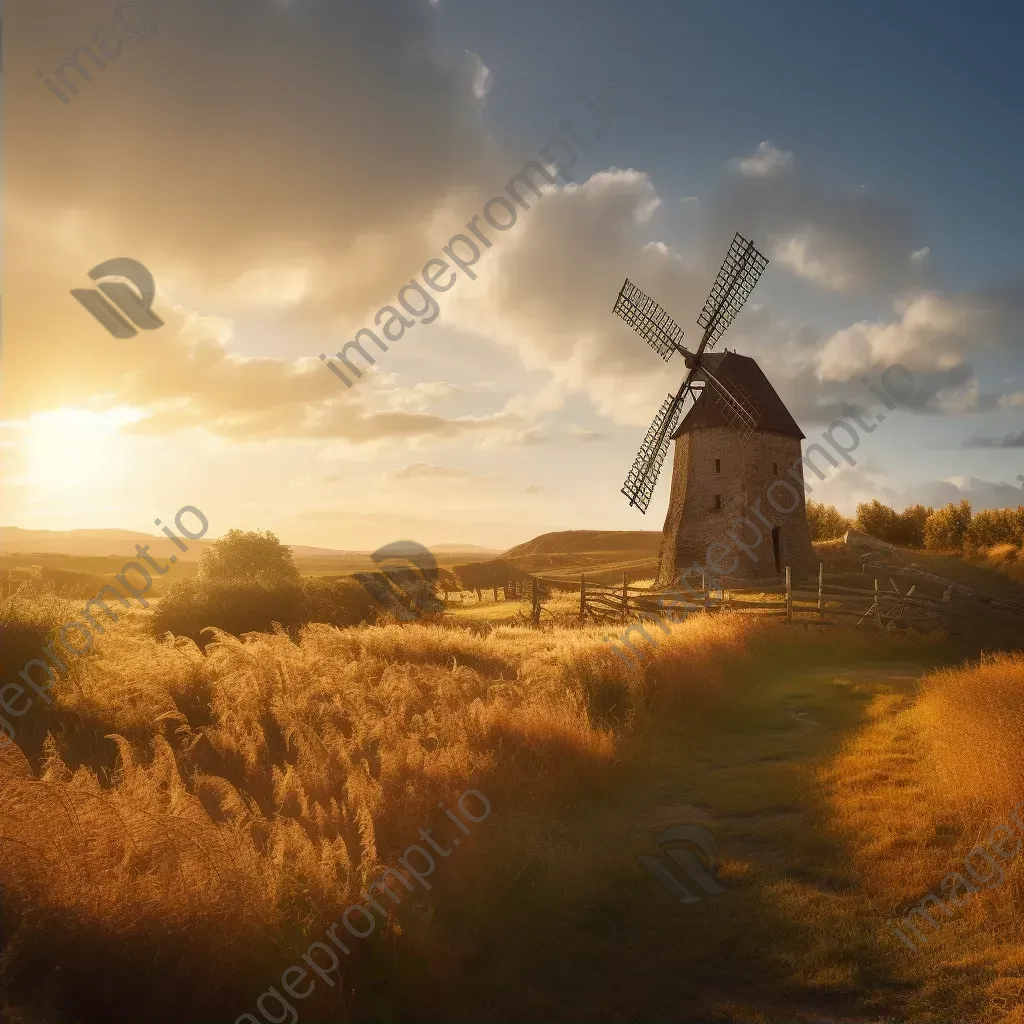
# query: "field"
179,825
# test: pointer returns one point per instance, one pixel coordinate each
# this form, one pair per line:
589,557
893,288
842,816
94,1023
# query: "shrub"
28,622
248,557
338,602
826,521
239,607
233,606
946,528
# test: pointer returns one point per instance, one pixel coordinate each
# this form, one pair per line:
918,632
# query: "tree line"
951,528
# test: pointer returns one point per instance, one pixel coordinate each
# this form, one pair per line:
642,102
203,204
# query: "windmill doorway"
775,549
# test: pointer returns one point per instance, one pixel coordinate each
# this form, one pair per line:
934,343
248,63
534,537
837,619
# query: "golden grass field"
179,824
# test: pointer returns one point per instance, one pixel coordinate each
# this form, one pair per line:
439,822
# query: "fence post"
583,598
821,576
789,595
625,598
878,606
707,596
535,609
947,600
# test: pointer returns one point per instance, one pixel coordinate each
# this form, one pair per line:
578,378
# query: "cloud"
842,240
424,470
291,161
931,333
764,161
548,288
584,434
186,378
532,435
306,181
848,486
1010,440
982,494
421,396
934,336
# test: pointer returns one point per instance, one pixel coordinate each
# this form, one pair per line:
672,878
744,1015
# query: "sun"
72,449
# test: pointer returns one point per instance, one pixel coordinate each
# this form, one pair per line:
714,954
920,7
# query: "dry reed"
257,785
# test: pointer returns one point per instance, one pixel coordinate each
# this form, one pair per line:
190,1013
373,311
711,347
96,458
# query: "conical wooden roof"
732,367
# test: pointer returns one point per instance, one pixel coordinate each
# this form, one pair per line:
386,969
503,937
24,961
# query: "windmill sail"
737,404
740,271
639,485
650,320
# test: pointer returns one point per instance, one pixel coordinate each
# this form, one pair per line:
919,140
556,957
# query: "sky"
283,168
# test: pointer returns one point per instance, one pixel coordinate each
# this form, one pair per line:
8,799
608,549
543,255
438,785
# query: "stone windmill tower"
738,448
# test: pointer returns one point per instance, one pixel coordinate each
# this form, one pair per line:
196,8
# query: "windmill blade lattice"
640,483
741,270
737,404
649,319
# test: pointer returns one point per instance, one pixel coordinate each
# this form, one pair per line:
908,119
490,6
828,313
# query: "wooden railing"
883,606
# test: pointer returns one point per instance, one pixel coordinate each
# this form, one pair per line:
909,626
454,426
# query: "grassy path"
582,932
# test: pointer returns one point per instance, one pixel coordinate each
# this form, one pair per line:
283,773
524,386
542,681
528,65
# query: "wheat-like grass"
247,793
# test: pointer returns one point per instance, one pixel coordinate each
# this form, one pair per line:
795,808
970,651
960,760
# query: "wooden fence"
884,606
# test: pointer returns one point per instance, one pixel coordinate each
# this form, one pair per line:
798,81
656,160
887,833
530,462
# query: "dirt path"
790,941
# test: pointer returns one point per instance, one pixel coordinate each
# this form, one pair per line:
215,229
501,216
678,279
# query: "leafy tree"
878,520
946,528
997,526
910,526
245,556
825,521
881,521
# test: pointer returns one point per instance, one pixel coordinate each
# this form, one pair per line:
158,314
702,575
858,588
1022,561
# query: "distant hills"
76,559
121,543
89,543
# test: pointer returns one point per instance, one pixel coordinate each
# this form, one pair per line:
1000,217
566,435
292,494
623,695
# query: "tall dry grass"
1007,559
180,821
929,778
973,720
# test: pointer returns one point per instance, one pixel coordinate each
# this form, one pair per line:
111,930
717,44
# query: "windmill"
740,271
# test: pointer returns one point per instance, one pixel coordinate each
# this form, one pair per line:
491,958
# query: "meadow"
181,822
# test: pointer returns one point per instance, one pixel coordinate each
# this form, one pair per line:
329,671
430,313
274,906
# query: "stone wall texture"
760,482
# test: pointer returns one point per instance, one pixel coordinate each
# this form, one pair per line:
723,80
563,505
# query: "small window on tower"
718,465
718,501
775,468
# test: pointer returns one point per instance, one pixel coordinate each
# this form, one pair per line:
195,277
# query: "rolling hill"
601,554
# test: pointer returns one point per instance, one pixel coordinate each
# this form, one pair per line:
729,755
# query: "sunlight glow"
72,449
